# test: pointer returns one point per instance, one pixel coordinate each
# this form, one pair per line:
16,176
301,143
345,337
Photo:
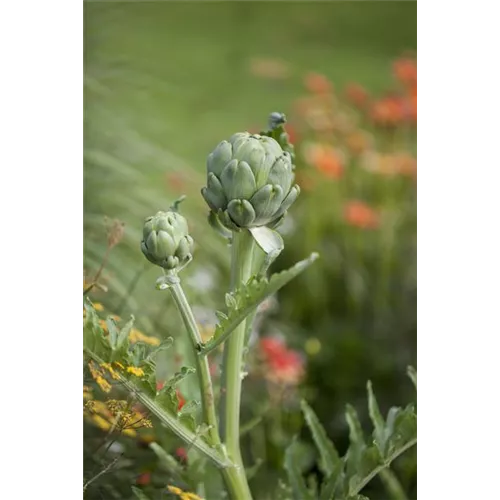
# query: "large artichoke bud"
249,181
166,241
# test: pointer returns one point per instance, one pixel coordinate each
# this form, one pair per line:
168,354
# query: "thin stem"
202,368
241,271
392,485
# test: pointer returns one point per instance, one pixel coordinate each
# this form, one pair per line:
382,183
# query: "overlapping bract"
249,181
166,241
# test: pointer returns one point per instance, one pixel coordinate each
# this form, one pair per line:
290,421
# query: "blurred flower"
405,70
318,83
326,159
183,494
181,400
274,69
143,479
388,111
181,454
359,141
115,231
356,94
359,214
282,365
312,346
305,181
176,181
401,163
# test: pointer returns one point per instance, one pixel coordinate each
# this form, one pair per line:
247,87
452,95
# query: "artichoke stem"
242,251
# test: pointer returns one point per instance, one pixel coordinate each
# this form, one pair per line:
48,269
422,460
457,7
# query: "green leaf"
122,340
299,488
412,373
377,420
178,378
113,331
251,471
328,453
246,428
248,297
166,460
139,494
332,482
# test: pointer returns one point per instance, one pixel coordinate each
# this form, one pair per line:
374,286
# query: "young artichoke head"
249,181
166,241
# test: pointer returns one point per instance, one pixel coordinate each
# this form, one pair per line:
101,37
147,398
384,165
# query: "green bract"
166,241
249,181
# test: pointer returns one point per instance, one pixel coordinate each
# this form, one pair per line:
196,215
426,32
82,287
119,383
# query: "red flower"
182,401
284,366
143,479
181,454
389,111
405,70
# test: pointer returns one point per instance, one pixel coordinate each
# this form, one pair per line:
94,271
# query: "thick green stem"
202,368
241,271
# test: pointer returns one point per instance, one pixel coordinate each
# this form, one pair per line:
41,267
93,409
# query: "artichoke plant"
166,241
249,181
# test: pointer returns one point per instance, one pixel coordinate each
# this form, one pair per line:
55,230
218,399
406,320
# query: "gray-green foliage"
345,477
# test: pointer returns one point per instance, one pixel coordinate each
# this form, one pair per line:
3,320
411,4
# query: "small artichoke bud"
166,241
250,181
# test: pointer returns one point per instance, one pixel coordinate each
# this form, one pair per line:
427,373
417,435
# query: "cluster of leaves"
345,477
134,367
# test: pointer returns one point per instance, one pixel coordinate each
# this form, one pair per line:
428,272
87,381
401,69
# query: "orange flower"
358,142
326,160
359,214
356,94
405,70
388,112
175,181
318,83
143,479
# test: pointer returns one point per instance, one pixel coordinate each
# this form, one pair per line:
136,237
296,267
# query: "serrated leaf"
178,378
377,420
188,421
368,462
328,453
189,408
139,493
122,340
299,488
113,331
247,299
412,373
356,436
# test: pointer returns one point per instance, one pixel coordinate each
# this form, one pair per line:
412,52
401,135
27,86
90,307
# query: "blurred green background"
164,83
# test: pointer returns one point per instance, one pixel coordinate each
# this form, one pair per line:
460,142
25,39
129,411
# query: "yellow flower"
138,372
112,372
137,336
101,422
98,306
184,495
312,346
119,365
103,383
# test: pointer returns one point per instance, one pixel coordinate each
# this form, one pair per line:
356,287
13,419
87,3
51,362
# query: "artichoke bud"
249,181
166,241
